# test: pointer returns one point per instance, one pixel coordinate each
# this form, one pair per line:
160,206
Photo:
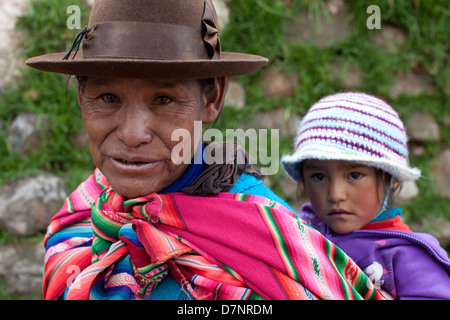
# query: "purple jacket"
403,264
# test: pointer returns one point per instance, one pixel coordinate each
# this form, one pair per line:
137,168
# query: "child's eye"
109,98
355,175
318,177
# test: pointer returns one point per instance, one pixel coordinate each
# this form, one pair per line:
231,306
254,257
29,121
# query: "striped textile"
230,246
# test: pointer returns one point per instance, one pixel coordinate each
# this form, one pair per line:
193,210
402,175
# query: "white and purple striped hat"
354,127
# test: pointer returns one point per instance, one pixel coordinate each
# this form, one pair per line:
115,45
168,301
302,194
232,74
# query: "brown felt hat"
150,38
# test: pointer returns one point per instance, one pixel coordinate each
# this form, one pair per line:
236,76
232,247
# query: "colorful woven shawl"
231,246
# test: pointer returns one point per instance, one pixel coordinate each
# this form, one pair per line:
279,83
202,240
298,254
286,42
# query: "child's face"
344,195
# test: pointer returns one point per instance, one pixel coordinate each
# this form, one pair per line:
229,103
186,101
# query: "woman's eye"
355,175
163,100
109,98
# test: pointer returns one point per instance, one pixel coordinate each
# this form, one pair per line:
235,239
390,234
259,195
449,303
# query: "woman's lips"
133,164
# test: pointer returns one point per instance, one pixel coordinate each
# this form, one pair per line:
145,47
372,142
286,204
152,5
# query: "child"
351,156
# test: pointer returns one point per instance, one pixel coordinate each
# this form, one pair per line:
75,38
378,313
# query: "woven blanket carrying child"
231,246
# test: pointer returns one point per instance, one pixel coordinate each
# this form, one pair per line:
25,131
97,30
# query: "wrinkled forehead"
109,81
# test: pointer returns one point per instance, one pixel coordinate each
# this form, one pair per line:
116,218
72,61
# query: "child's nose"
336,191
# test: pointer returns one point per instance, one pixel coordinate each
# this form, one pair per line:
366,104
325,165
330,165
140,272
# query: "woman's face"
130,123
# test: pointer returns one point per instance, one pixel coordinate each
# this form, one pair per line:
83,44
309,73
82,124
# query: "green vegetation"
259,27
51,96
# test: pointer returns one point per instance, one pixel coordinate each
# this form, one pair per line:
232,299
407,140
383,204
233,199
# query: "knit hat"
353,127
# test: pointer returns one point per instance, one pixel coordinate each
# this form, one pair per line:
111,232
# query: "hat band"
141,40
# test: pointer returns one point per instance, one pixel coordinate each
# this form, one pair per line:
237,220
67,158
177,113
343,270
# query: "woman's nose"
135,128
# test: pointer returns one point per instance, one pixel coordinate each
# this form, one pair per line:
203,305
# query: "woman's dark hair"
207,84
81,79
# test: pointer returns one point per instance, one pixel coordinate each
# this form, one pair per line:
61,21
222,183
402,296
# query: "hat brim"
292,164
229,64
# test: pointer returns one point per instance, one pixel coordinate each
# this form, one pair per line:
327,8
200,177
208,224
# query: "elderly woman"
146,227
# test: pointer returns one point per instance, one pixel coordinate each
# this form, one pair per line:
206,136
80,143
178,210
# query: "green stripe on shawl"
359,285
340,262
69,205
230,271
250,294
108,228
284,255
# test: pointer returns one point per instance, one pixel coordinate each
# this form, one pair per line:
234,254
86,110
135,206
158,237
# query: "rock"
277,84
350,75
295,194
441,173
28,204
417,149
25,133
321,31
278,119
436,226
411,84
446,121
236,95
408,192
389,38
267,182
10,61
421,127
80,139
21,268
288,186
223,13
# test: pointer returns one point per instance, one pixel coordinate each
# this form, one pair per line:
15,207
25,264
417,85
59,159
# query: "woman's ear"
80,93
214,98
